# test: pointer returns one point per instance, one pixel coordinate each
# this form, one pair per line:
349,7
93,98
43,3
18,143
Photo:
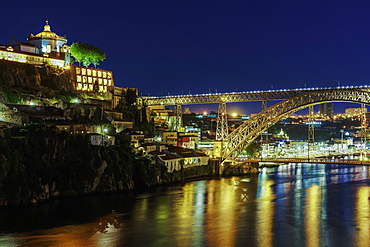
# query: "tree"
253,149
87,54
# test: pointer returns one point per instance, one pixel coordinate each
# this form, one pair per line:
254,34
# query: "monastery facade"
48,48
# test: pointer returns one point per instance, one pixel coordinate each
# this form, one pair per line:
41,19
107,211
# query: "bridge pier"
177,125
222,127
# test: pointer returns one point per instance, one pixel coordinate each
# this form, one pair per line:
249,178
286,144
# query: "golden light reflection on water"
183,208
265,214
89,234
220,217
302,211
363,217
312,212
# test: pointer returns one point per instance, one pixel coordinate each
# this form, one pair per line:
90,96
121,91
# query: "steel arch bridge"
240,138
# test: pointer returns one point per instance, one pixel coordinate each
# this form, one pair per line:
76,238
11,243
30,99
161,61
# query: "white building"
44,47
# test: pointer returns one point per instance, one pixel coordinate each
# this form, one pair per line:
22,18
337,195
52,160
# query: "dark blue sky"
201,46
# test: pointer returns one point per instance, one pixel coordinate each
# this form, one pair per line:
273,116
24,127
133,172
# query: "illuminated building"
327,109
91,80
187,110
188,140
351,112
45,47
170,137
48,48
49,42
160,114
10,54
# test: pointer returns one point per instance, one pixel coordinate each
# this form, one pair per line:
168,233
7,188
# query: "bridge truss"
241,137
265,95
223,98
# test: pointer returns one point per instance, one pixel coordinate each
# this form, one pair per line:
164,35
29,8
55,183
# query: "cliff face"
37,164
47,80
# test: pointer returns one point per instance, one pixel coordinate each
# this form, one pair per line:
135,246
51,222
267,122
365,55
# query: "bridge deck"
232,97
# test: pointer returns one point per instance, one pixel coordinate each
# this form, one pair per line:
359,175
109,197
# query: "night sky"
175,47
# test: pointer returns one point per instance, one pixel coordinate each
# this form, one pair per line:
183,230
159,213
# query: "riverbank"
38,164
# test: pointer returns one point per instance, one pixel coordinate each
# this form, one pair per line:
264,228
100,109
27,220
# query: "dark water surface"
292,205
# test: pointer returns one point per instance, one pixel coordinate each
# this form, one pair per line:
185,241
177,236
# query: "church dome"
47,33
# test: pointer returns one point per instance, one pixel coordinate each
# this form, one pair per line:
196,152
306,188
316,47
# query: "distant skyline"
163,47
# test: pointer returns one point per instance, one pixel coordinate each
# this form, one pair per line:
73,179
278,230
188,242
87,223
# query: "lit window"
89,79
109,82
100,81
83,71
89,72
104,74
91,87
78,71
105,81
99,73
94,72
48,48
79,86
84,79
79,78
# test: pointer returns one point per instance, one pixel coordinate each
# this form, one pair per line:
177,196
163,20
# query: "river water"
292,205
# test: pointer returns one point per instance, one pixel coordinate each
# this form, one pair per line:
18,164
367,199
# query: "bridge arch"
241,137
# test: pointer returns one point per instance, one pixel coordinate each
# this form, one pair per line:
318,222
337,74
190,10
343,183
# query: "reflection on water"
292,205
312,210
265,211
363,216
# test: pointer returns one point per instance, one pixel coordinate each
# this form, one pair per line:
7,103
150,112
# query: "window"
48,48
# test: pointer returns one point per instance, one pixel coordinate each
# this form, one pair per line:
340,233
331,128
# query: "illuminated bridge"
291,100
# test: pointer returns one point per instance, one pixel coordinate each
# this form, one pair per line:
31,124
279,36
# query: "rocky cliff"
37,164
45,80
